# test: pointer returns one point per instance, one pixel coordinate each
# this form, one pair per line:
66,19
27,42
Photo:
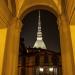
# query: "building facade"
33,61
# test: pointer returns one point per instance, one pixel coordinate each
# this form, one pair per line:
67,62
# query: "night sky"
49,29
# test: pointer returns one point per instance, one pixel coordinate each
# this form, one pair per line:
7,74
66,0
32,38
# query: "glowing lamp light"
41,69
51,69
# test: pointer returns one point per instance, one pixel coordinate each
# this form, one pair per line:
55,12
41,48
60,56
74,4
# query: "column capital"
63,18
15,23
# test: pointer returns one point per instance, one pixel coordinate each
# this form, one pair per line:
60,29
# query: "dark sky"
49,29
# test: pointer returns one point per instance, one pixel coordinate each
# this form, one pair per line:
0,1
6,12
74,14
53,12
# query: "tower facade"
39,42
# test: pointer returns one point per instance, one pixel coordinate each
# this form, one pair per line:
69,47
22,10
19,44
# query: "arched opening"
34,7
49,29
50,37
10,47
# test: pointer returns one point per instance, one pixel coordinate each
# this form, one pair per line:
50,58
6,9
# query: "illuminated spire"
39,42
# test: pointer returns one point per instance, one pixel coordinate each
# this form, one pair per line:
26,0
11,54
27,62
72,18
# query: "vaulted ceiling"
25,4
9,8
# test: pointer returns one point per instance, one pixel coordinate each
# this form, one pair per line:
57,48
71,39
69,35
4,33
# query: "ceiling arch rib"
32,8
19,4
58,4
27,4
11,5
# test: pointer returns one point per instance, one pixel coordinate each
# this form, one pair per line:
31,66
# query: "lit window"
51,69
41,69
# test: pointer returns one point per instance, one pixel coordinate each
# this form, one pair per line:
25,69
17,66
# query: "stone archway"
33,8
65,40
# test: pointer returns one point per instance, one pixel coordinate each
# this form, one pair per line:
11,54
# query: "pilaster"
3,32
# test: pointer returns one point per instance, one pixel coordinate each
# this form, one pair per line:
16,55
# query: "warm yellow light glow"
51,69
2,46
41,69
72,30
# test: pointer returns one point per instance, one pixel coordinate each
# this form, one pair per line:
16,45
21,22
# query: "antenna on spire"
39,14
39,20
39,33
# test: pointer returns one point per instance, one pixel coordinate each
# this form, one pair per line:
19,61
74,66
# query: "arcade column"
66,46
10,63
